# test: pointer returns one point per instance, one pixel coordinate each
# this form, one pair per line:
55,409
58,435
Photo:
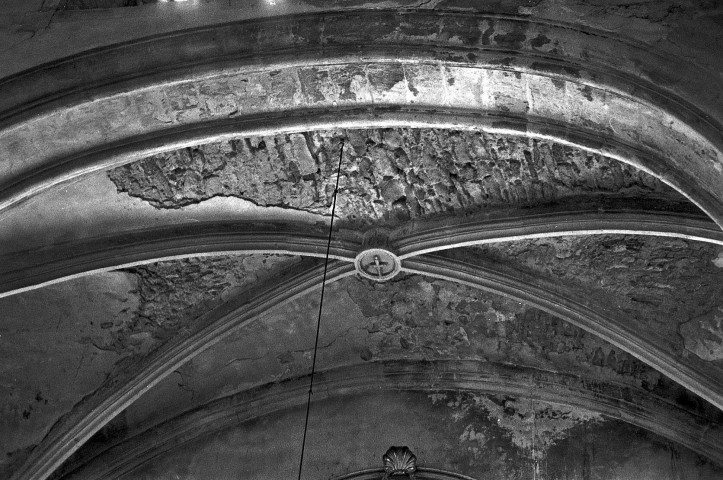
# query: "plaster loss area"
422,319
386,174
413,320
173,294
672,287
481,435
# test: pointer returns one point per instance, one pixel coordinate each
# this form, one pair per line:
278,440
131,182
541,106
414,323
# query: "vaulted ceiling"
523,277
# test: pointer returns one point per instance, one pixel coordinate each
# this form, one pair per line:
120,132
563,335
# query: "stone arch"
493,84
659,116
626,403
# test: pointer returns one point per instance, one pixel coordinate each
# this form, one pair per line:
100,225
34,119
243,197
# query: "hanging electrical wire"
321,304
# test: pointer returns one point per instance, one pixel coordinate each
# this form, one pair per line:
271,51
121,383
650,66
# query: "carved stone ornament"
377,264
399,461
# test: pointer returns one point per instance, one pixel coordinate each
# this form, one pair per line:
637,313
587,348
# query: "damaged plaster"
49,358
669,287
412,319
387,174
174,293
350,433
409,319
417,318
718,261
660,283
533,426
704,335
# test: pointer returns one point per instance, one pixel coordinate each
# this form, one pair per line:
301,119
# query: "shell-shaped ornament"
399,461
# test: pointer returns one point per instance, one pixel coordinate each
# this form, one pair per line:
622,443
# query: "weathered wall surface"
409,319
488,438
60,343
34,26
174,293
672,287
596,109
50,353
90,209
105,323
388,174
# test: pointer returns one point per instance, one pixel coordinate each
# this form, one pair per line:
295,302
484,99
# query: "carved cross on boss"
399,461
377,264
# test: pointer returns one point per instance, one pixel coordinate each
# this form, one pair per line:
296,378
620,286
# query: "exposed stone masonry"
672,286
411,318
597,66
391,174
703,335
174,293
533,426
414,318
417,318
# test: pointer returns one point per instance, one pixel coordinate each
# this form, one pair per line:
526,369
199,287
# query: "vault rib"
528,225
105,108
110,155
34,269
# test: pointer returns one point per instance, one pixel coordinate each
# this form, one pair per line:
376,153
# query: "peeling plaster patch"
470,435
49,358
704,335
437,397
414,318
658,283
655,12
174,293
387,174
534,426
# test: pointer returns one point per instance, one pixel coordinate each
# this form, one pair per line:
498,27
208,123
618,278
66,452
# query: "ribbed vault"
566,178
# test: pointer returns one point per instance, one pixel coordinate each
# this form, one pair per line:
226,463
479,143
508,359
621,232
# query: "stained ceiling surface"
522,277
